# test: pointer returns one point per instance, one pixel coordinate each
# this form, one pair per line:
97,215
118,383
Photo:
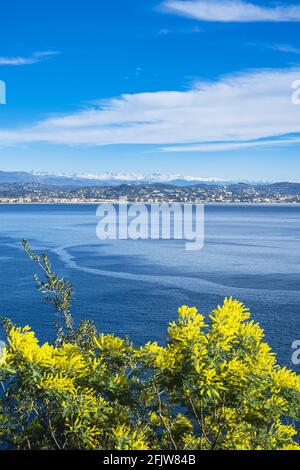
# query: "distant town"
35,193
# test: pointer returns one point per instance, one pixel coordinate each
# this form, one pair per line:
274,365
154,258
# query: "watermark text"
2,92
140,221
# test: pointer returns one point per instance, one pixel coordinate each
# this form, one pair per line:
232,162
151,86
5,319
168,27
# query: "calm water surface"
134,288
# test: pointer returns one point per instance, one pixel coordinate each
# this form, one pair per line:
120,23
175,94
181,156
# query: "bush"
211,387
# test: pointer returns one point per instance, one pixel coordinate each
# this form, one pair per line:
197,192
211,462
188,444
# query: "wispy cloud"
194,30
229,146
285,48
232,11
242,110
33,59
16,60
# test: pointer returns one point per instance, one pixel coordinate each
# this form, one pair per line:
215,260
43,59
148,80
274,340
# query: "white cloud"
237,110
33,59
194,30
285,48
232,11
229,146
17,60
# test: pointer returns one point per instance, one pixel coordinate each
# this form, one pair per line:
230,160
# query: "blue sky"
194,87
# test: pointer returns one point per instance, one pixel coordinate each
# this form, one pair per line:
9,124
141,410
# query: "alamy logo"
2,92
126,221
2,352
296,94
296,353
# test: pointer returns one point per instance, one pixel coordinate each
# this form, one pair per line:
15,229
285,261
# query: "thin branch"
160,414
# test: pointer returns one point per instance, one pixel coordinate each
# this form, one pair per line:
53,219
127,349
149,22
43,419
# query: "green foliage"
59,293
212,386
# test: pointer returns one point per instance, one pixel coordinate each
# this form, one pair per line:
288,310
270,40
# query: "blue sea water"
135,287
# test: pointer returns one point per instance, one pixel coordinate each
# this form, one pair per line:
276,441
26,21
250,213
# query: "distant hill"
154,192
23,182
283,188
105,179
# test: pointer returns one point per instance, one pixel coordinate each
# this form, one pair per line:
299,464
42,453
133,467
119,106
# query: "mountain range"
105,179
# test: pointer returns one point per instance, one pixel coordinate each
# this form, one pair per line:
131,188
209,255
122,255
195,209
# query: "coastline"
116,202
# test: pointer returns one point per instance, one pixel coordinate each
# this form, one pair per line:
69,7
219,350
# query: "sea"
134,288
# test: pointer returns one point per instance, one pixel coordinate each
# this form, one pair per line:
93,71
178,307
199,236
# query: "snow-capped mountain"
141,178
116,178
109,179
